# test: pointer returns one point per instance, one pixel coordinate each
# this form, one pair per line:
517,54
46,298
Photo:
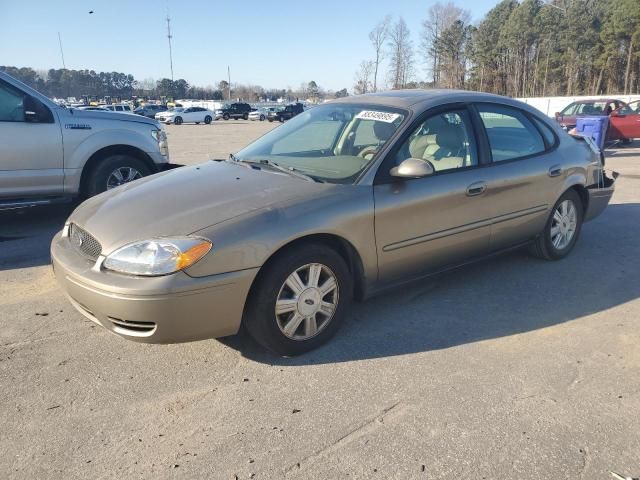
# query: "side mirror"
412,168
615,113
557,114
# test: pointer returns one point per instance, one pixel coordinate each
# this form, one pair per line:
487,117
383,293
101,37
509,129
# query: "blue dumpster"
594,127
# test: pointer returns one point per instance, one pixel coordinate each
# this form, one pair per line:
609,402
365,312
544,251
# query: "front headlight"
159,135
158,256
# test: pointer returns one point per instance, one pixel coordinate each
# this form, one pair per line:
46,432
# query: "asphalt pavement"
511,368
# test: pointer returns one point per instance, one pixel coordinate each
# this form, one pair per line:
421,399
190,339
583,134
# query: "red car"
624,119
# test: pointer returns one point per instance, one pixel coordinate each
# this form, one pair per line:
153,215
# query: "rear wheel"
207,119
114,171
245,116
178,121
300,300
562,229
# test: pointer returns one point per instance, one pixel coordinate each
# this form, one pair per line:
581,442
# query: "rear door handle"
477,188
555,171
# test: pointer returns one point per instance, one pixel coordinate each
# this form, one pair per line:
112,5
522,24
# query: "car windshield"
177,109
334,143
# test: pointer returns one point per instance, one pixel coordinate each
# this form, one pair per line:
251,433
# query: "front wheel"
562,228
299,300
225,116
177,121
114,171
207,119
245,116
262,118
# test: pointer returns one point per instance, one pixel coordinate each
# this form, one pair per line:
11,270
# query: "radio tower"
169,36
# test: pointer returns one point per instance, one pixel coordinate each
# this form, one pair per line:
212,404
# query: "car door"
625,121
427,223
525,175
31,155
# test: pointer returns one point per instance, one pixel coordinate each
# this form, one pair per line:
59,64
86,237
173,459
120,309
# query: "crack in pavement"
368,426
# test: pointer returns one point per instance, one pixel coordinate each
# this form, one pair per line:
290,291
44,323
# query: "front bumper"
168,309
599,196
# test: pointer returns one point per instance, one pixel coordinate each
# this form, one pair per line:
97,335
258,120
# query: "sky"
275,44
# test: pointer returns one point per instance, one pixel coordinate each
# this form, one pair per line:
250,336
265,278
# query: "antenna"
229,83
61,51
169,37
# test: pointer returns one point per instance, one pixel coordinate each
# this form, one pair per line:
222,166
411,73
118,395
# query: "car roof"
419,100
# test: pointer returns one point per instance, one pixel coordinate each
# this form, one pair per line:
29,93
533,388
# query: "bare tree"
401,54
378,37
440,17
363,77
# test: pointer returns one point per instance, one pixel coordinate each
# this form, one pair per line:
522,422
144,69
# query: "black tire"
207,119
245,116
177,121
225,116
262,118
259,316
97,178
281,119
543,246
197,123
270,119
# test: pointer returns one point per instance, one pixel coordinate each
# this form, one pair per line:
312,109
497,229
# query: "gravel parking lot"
511,368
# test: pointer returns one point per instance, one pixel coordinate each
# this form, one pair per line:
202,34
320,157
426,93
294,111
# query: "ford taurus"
349,198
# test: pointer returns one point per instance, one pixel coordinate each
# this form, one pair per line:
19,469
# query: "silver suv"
50,152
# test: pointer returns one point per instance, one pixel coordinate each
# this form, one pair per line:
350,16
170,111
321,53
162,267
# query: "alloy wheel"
307,301
564,224
122,175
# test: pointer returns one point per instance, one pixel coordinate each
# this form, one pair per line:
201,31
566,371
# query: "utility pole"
61,51
169,37
229,83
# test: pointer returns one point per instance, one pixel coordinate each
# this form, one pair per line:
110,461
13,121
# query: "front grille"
84,242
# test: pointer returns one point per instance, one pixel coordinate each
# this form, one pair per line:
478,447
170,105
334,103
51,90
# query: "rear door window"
511,134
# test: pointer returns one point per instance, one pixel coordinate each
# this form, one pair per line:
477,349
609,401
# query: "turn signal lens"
192,255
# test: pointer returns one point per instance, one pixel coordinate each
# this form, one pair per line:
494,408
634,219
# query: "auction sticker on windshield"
379,116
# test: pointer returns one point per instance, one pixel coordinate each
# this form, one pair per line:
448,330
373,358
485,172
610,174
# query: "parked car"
567,117
347,199
124,108
235,111
149,110
189,115
50,152
624,122
258,114
287,113
161,116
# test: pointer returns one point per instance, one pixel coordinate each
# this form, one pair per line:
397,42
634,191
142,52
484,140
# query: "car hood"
185,200
80,115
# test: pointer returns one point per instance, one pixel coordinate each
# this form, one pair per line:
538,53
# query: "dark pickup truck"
289,112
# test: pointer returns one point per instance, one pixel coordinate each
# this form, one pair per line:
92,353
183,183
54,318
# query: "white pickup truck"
50,152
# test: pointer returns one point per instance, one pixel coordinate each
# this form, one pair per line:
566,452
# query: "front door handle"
477,188
555,171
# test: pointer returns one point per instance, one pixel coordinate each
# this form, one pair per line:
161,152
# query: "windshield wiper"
290,170
233,157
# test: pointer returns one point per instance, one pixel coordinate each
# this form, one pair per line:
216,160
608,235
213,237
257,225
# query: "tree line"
63,83
520,48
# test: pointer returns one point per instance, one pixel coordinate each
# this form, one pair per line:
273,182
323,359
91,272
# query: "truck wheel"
207,119
245,116
270,119
114,171
262,118
177,121
281,119
225,116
